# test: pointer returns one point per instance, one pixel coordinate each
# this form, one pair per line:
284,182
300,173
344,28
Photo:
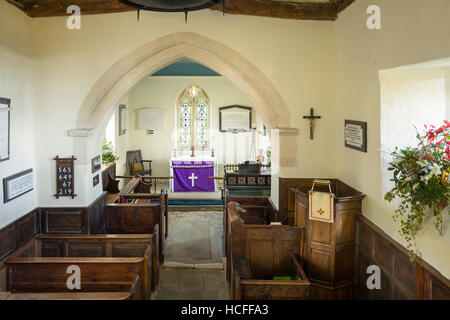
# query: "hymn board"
65,177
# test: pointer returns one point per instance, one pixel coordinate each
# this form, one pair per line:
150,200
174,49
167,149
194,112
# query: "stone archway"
147,59
129,70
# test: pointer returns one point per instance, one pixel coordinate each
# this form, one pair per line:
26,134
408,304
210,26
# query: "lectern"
329,251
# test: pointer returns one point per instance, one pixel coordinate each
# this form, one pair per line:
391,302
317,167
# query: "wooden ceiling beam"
265,8
54,8
281,9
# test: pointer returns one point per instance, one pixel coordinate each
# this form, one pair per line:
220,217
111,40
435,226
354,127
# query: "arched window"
193,118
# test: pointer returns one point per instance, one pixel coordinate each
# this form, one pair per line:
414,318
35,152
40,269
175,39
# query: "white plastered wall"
16,83
413,31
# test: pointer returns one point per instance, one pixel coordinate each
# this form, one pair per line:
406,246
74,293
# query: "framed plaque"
4,128
355,135
235,118
96,164
17,185
96,180
65,177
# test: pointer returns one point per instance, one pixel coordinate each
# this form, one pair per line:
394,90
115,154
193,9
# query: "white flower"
416,185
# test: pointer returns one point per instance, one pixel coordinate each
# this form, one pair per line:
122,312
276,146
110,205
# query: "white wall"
413,31
163,92
16,84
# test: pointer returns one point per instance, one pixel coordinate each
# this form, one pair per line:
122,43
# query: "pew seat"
49,275
67,296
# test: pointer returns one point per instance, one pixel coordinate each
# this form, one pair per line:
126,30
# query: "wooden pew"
266,248
257,210
36,275
246,286
148,211
133,294
109,245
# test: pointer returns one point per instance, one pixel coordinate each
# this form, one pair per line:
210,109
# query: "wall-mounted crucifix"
311,119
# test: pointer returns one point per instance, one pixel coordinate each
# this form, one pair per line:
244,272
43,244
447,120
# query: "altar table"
193,175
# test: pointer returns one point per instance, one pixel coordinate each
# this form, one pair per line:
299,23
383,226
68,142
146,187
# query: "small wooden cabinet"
329,251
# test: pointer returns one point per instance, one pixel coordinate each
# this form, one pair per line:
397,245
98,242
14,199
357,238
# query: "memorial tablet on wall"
355,135
16,185
65,177
4,128
235,118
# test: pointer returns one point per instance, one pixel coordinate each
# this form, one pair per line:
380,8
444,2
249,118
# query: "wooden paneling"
83,220
18,233
400,278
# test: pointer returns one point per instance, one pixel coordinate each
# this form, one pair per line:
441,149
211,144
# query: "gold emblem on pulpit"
321,204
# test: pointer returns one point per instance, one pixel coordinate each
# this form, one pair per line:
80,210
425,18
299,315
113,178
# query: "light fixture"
172,5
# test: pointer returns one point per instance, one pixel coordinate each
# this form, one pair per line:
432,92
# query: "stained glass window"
202,122
185,122
193,118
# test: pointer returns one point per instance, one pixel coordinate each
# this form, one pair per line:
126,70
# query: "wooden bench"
72,295
109,245
292,283
257,210
147,211
266,247
37,275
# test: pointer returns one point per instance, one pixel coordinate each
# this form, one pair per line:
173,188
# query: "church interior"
224,150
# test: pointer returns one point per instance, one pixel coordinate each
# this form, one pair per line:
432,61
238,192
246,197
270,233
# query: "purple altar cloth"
193,176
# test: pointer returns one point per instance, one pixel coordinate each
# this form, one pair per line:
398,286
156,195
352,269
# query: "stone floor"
195,237
194,265
192,284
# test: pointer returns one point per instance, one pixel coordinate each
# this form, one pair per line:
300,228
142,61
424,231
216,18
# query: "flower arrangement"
421,181
108,153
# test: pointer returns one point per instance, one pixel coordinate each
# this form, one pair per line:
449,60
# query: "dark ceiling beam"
54,8
281,9
265,8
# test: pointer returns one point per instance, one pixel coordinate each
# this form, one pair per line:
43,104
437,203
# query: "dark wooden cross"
311,119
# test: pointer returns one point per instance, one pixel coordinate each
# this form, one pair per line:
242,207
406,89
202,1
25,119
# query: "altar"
192,174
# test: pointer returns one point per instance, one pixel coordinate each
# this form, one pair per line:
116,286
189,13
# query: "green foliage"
421,181
108,153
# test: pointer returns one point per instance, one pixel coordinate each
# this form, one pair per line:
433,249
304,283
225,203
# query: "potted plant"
108,153
421,182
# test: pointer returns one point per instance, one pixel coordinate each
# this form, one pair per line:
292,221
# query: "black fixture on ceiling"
172,5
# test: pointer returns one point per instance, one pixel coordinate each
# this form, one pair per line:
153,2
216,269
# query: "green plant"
421,181
108,153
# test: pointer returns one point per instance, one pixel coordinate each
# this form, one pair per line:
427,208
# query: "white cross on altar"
192,178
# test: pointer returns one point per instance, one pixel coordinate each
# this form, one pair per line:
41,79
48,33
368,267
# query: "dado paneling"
83,220
400,278
18,233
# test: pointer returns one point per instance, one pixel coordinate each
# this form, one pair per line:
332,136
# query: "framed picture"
5,128
122,119
355,135
17,185
96,180
96,164
235,118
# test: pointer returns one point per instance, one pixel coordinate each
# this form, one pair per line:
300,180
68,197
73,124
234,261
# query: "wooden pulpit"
329,251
